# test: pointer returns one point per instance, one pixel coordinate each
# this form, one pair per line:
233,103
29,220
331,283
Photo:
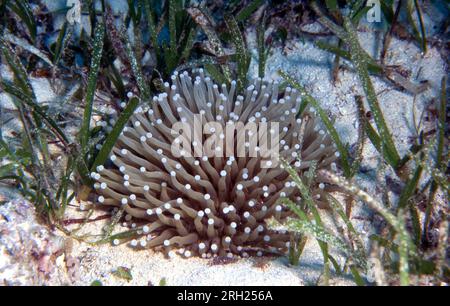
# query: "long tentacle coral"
212,199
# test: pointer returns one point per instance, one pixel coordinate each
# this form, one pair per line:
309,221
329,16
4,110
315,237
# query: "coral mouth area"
216,202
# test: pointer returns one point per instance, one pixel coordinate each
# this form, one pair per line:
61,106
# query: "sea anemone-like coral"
215,202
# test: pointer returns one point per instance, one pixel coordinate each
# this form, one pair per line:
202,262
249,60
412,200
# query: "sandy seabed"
30,253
